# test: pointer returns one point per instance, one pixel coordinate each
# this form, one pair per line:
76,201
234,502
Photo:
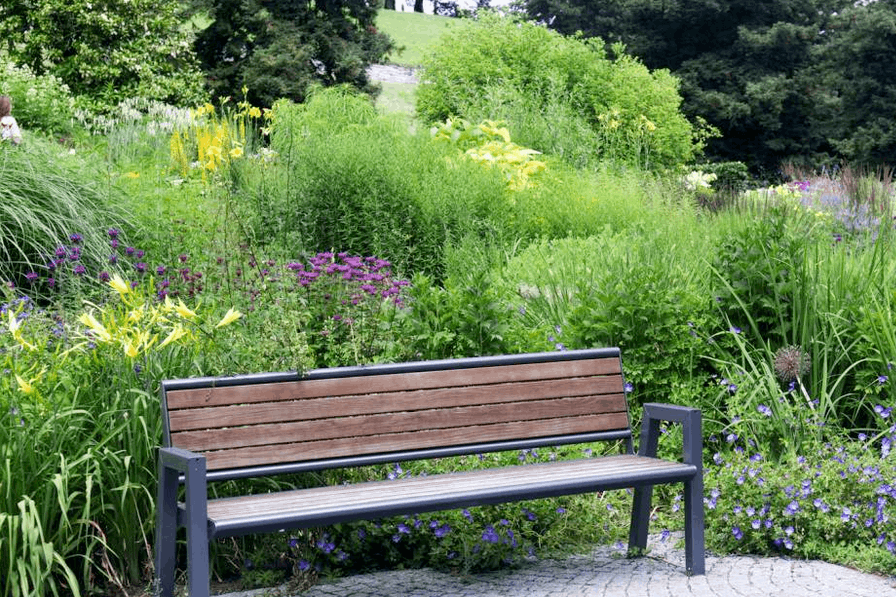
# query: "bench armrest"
691,426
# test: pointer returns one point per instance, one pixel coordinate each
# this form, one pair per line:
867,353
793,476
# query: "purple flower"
75,238
764,410
883,412
629,388
736,330
113,232
738,534
80,270
442,531
792,508
490,535
31,277
103,276
882,379
160,270
113,258
130,250
140,266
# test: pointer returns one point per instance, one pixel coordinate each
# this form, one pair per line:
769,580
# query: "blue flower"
764,410
738,534
490,535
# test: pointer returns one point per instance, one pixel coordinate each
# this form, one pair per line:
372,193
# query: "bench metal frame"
179,466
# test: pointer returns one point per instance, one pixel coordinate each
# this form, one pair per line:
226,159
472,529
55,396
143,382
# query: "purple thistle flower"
130,251
113,232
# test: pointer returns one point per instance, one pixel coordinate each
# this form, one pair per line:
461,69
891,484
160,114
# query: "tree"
278,48
748,67
106,51
858,70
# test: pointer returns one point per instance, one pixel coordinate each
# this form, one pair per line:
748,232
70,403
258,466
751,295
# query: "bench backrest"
385,413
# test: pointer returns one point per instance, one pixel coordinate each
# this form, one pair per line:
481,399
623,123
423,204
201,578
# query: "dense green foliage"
279,48
326,234
589,106
802,81
41,104
105,51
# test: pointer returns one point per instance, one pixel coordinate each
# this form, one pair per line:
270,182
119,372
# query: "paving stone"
604,574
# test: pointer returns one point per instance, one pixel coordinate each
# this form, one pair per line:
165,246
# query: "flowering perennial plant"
840,493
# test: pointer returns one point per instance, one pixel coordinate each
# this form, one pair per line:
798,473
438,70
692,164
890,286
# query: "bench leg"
694,544
166,532
637,537
197,529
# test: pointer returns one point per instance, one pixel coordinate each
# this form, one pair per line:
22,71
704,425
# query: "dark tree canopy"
805,80
278,48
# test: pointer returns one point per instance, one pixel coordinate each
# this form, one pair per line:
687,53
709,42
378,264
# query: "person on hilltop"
9,128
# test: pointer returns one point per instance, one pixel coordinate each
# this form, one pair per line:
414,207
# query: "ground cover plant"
228,239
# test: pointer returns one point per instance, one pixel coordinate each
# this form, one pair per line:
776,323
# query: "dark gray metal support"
692,430
166,530
172,463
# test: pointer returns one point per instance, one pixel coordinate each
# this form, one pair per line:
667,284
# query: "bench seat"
365,501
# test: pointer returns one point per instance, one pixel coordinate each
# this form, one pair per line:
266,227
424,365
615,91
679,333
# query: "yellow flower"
119,285
184,311
176,334
130,350
254,112
132,174
95,326
236,152
229,317
14,323
25,386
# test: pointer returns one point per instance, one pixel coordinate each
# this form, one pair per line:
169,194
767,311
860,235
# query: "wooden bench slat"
322,408
397,422
304,451
315,388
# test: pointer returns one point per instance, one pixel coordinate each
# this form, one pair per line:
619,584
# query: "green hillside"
414,32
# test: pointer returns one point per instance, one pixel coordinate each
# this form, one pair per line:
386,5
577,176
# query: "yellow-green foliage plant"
488,143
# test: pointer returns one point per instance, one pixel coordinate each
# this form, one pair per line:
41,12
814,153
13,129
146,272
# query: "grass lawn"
415,32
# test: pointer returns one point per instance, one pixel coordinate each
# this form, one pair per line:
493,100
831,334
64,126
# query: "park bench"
267,424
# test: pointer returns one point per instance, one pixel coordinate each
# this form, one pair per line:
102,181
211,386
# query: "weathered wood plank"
220,396
398,422
357,405
381,444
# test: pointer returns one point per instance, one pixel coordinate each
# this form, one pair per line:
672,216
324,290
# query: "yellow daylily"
98,329
119,285
130,350
184,311
176,334
26,387
229,317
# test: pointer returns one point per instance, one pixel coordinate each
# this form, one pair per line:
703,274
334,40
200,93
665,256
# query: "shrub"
41,104
349,178
617,108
